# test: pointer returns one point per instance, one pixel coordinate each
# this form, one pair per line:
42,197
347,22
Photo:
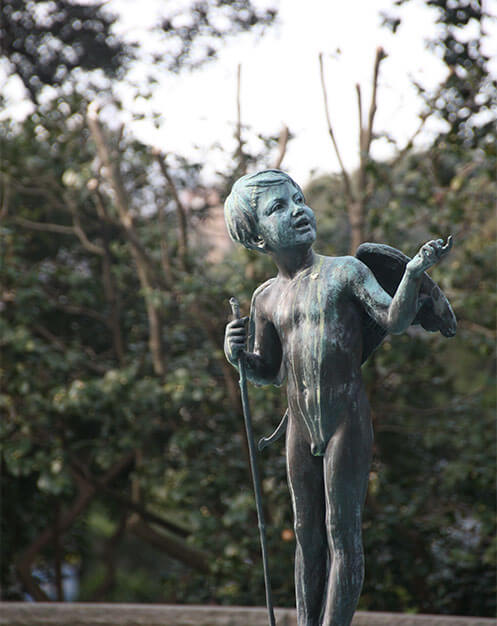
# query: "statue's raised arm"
388,266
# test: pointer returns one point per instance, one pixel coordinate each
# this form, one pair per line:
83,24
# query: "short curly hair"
240,206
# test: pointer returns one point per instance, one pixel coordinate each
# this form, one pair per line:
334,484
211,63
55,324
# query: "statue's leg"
346,470
305,479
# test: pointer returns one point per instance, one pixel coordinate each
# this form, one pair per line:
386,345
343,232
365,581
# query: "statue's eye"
275,207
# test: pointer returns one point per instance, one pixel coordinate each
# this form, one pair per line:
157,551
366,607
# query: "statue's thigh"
305,479
346,471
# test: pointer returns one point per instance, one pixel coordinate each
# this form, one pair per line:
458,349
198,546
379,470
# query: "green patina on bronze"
314,325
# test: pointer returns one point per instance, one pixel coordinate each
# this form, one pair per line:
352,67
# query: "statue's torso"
319,326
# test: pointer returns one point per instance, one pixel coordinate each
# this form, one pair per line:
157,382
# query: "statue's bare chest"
312,302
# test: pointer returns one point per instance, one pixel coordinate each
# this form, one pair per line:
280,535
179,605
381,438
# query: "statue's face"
284,220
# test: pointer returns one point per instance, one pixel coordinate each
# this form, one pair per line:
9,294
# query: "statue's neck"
292,261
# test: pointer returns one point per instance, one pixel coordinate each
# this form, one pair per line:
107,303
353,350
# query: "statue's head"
267,210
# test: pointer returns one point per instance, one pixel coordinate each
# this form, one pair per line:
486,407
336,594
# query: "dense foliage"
123,454
43,42
57,42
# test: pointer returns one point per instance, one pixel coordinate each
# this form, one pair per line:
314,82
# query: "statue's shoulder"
261,299
343,268
263,290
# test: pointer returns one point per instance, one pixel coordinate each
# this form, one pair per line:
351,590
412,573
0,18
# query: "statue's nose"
297,209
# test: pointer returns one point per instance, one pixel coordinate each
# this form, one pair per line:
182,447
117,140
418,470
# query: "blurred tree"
117,398
104,258
200,27
52,42
465,99
43,42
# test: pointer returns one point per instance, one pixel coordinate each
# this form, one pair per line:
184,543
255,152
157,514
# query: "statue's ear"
257,243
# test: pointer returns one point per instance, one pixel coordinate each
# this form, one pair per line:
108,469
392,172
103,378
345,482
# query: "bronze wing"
388,265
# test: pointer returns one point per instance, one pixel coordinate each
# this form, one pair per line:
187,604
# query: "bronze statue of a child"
306,324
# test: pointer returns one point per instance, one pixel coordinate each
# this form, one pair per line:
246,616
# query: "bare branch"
171,545
146,273
75,309
61,346
93,186
120,134
489,333
58,554
282,144
46,227
359,112
115,180
164,250
131,505
345,176
109,554
78,229
410,142
110,165
180,209
87,244
112,298
242,166
380,55
52,196
357,208
75,230
5,196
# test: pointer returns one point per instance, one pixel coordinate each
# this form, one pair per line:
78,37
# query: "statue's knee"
300,529
345,537
306,534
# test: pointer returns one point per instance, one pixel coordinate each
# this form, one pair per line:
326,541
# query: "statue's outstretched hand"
429,254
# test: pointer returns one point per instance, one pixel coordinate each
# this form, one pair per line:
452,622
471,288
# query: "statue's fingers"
429,250
238,330
238,323
448,245
437,248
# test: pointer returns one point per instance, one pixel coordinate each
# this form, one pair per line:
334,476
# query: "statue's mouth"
302,223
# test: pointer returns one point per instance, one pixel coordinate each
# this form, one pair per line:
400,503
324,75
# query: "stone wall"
74,614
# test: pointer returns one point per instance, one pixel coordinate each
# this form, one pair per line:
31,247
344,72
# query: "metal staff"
235,307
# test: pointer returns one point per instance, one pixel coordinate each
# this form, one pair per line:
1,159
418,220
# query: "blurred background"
124,468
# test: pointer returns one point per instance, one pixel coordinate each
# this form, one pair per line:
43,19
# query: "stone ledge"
79,614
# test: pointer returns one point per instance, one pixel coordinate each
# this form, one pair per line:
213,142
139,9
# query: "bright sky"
281,84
